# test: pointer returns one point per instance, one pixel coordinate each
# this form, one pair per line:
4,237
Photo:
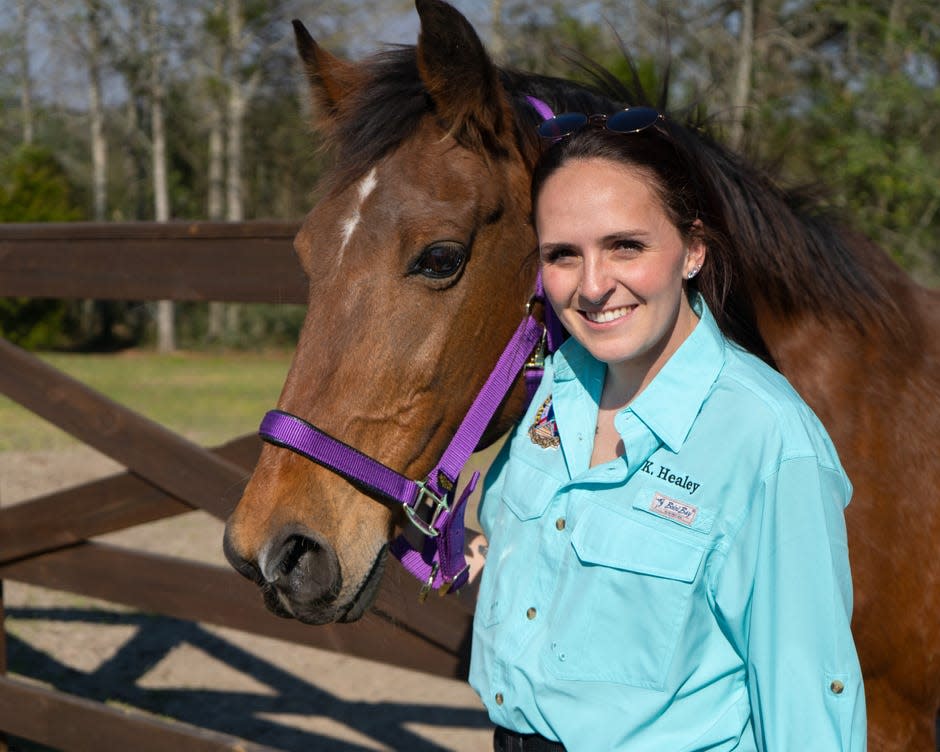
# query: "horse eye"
440,260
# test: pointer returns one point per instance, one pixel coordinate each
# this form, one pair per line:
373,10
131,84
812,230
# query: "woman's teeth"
602,317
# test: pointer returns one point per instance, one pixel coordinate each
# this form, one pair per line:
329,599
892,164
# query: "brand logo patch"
544,431
673,509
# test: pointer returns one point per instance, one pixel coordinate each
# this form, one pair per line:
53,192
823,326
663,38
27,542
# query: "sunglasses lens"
632,120
562,125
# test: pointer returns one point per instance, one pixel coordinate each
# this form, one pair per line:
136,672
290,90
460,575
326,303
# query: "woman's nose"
596,281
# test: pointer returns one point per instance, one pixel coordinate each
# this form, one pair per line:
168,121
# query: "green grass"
209,398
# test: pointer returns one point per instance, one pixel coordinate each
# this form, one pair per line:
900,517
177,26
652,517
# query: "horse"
419,257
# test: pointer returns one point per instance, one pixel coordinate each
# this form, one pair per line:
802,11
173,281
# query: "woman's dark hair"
672,159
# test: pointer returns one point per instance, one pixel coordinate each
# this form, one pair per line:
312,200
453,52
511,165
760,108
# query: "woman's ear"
696,251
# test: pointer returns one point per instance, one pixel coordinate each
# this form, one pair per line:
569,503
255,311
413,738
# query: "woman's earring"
694,271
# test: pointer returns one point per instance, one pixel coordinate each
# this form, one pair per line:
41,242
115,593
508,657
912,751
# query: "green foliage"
878,158
862,122
34,187
32,323
247,326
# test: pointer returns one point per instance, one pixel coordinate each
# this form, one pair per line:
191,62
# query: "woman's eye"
553,255
440,260
628,246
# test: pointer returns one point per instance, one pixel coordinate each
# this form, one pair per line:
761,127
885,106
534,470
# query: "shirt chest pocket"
513,523
528,490
621,602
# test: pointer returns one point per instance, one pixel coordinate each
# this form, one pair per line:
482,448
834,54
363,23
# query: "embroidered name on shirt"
664,473
673,509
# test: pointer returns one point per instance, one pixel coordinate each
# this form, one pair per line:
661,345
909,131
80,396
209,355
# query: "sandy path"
265,690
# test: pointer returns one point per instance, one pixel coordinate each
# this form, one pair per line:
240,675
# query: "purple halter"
432,547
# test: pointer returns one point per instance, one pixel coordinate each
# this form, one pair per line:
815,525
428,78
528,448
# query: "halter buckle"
426,587
536,361
434,503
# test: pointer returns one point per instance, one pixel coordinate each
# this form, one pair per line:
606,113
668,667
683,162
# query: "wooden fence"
48,541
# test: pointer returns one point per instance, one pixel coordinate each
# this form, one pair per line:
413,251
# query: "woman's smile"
608,315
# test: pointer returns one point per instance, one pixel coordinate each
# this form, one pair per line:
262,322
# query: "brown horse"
419,259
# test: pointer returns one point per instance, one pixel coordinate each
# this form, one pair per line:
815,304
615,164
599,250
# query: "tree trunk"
234,205
215,328
741,93
99,148
234,208
239,92
216,202
894,53
26,92
99,151
498,35
216,324
166,313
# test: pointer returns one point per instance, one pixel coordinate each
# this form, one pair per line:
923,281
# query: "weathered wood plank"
3,634
73,724
180,467
102,506
239,261
432,637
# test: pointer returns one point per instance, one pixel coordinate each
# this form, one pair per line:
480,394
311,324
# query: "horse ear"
460,78
331,78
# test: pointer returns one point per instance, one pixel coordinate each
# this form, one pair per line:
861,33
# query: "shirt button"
499,698
530,613
837,687
560,523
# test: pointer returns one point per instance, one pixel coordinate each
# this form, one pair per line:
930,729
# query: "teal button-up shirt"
693,594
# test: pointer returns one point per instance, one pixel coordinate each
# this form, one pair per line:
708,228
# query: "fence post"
4,746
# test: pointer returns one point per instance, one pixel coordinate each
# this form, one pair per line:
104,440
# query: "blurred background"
124,110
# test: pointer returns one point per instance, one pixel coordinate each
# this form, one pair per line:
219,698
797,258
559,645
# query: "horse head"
416,260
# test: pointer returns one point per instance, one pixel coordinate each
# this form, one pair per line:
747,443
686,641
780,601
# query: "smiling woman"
680,549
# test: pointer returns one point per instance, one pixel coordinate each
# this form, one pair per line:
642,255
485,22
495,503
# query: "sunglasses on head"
630,120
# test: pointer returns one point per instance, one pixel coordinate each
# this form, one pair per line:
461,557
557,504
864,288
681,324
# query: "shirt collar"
672,400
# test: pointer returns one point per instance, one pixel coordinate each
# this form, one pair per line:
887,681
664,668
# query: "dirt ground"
263,690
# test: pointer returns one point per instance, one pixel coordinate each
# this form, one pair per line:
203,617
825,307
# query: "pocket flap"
604,537
528,490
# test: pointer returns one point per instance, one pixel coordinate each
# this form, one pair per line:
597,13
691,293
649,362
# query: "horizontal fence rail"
239,262
47,540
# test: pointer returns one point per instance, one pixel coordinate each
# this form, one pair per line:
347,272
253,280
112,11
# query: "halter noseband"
432,547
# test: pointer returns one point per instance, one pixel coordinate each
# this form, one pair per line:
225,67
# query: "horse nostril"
290,555
302,566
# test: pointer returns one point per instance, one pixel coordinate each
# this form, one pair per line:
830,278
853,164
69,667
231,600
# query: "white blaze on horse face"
366,186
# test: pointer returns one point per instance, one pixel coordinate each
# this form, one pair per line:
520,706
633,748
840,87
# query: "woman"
667,565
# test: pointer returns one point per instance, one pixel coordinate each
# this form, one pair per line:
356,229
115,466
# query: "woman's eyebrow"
625,234
562,246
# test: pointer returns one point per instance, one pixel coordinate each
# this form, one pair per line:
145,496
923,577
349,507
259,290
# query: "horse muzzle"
299,576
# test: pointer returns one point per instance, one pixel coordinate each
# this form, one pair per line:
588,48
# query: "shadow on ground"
241,713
